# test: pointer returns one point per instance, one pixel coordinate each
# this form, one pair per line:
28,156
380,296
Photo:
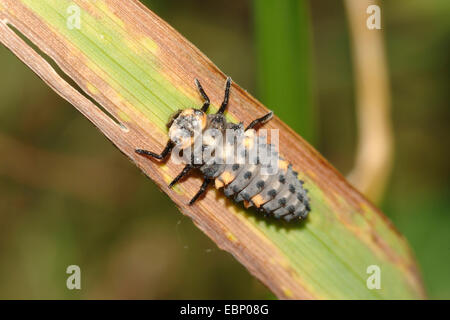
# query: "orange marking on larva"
249,139
250,132
283,165
226,177
248,142
258,200
247,204
218,184
187,112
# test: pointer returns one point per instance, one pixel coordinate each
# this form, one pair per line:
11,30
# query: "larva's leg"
202,190
164,153
204,96
227,96
185,171
259,121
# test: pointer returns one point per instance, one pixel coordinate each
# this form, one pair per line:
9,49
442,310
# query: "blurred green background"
67,196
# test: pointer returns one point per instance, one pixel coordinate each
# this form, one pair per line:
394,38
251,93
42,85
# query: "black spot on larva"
282,179
303,214
236,126
235,167
295,173
260,184
235,189
246,196
291,188
291,209
210,171
307,206
300,196
302,182
272,193
247,175
282,201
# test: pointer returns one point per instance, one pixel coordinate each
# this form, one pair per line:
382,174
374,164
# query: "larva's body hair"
273,191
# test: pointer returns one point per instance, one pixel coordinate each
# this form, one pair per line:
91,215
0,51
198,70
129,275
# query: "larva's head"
186,124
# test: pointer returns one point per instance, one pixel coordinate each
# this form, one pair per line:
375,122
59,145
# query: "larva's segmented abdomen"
280,194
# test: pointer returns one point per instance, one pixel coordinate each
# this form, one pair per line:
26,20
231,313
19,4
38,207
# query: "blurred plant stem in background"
373,161
282,35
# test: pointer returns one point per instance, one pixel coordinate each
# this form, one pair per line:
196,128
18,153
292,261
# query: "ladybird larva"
235,164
